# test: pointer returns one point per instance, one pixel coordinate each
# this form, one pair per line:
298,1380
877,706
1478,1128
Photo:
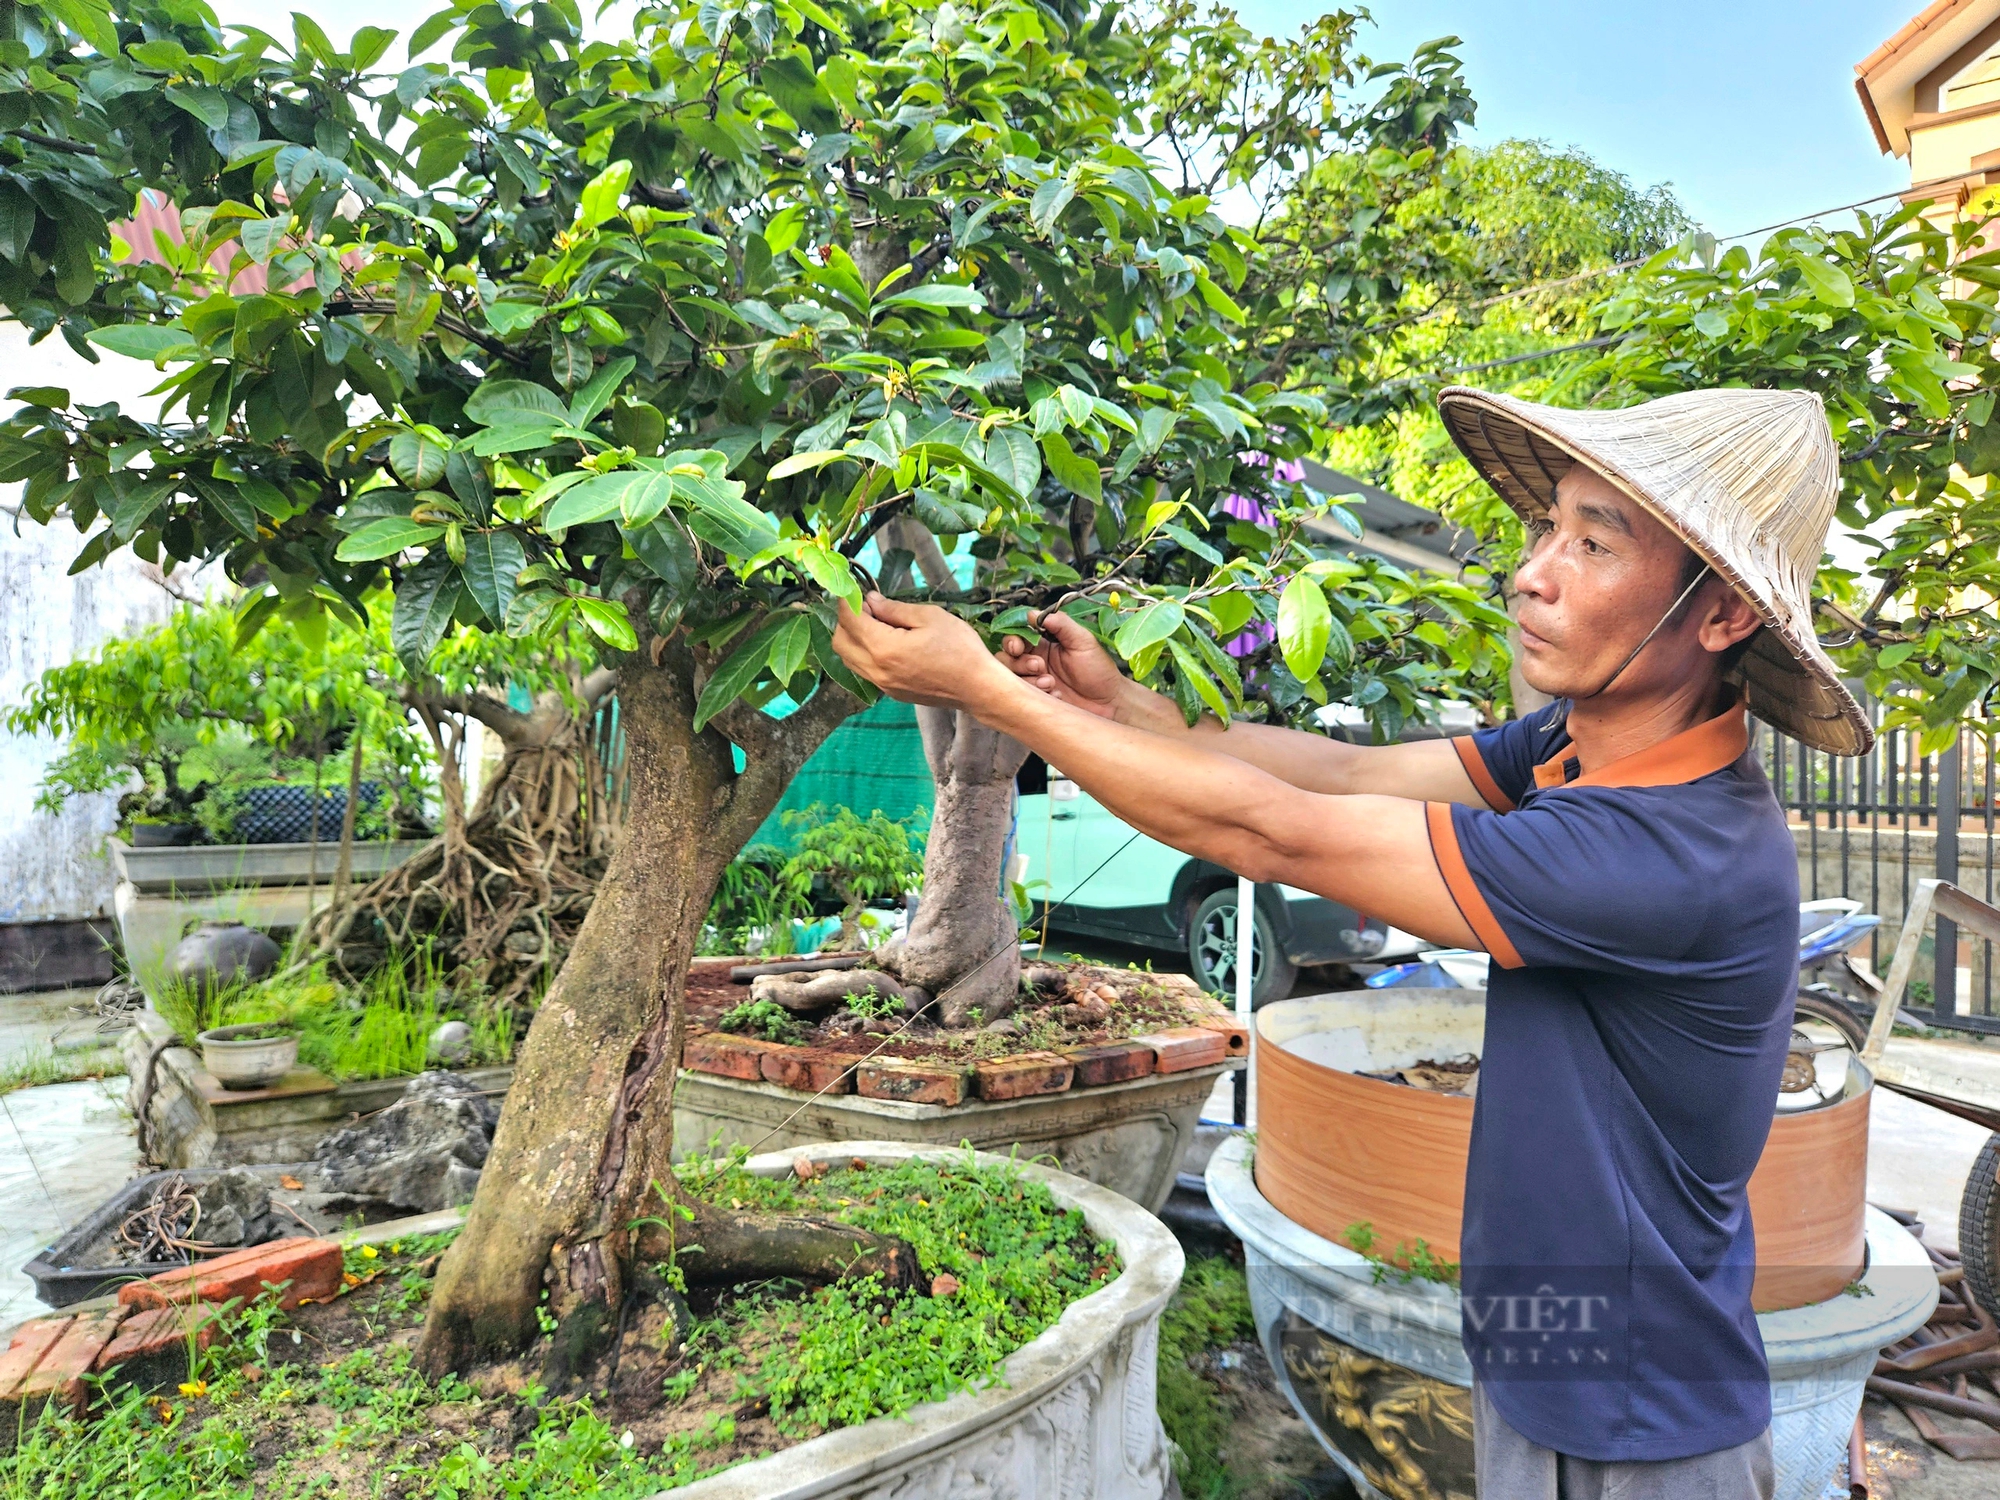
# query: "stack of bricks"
147,1332
1214,1036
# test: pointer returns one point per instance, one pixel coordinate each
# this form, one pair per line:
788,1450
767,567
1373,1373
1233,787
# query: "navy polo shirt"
1643,924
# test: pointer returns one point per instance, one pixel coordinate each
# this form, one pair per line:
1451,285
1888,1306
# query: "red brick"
1115,1062
911,1080
1185,1047
30,1343
1022,1075
59,1375
311,1266
727,1056
151,1348
1227,1023
810,1070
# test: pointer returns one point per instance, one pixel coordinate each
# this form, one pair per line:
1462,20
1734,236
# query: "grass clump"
33,1069
1409,1261
1210,1311
852,1351
378,1029
763,1018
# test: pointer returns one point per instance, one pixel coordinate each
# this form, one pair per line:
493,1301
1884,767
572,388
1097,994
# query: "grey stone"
235,1210
404,1154
460,1183
451,1043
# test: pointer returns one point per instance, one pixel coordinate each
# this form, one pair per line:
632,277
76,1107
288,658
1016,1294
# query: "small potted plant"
254,1055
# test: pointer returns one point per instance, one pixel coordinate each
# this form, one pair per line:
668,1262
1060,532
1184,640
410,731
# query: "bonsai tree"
860,860
652,338
189,708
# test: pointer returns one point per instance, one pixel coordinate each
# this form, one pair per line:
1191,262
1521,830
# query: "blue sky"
1747,108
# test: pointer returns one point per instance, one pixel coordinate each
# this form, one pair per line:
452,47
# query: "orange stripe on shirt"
1458,880
1482,778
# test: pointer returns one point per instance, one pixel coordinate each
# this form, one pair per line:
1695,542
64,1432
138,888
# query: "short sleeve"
1582,880
1501,761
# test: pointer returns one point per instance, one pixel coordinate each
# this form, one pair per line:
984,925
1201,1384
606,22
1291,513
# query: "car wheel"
1212,952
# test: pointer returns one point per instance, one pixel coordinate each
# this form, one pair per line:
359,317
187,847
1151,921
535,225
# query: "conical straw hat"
1748,479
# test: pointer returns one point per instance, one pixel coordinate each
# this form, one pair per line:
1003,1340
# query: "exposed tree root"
724,1248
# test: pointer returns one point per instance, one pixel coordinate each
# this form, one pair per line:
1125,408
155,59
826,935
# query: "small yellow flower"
397,1248
368,1252
194,1388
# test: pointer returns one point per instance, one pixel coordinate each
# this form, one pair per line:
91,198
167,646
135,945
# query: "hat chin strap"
1672,610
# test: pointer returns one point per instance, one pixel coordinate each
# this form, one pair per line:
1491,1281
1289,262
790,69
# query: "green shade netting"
874,760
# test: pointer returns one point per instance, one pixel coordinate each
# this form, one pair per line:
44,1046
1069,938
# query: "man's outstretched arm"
1371,852
1069,664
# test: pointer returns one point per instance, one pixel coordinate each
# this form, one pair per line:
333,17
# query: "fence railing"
1869,827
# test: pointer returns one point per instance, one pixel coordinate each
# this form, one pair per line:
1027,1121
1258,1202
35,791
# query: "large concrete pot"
1336,1149
1129,1137
1072,1413
1376,1369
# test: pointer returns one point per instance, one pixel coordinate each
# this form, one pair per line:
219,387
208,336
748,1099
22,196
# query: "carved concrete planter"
1378,1372
1072,1415
1128,1137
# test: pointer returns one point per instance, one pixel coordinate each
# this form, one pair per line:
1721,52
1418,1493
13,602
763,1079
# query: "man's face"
1591,587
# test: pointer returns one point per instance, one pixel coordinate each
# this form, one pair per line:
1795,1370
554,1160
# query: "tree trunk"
963,946
585,1140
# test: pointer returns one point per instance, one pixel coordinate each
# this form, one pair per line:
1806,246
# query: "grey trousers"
1512,1468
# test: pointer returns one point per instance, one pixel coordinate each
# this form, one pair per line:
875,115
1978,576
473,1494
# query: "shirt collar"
1687,756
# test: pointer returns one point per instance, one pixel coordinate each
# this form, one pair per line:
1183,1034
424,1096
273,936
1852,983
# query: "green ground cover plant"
1210,1311
326,1402
35,1068
1411,1260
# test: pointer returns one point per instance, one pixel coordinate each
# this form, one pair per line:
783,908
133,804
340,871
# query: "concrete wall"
54,867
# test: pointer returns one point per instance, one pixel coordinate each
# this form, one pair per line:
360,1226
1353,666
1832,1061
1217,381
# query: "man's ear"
1727,617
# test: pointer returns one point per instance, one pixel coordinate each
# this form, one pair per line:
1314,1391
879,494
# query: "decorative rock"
809,1070
1115,1062
450,1044
1005,1026
402,1154
1094,1010
1021,1076
728,1056
235,1209
913,1081
1185,1047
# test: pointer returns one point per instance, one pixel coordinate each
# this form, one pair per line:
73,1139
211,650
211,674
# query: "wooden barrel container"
1335,1150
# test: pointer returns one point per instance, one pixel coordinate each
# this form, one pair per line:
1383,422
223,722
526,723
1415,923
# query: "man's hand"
1069,664
918,653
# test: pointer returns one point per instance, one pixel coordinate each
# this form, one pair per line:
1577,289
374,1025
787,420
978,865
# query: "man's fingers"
897,612
1064,631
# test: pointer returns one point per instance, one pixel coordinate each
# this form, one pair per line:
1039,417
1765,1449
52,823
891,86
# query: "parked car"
1106,880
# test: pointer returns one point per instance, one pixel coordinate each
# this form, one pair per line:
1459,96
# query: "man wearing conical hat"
1620,856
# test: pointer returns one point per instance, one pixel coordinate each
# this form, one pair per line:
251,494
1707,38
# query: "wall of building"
54,867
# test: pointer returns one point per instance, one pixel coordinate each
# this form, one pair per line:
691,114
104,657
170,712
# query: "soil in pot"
325,1400
1073,1005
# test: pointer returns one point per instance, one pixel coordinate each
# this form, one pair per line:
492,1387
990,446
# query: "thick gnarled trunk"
585,1140
963,945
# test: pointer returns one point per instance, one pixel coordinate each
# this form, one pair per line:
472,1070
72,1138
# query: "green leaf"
130,510
735,676
1193,543
1012,455
430,29
602,497
1072,471
1218,299
1149,627
493,563
1896,655
497,399
938,298
1828,284
597,393
417,460
387,538
791,644
1711,323
830,571
155,341
599,199
721,516
469,481
1304,623
518,431
805,463
1192,670
1232,612
665,548
424,606
264,238
609,623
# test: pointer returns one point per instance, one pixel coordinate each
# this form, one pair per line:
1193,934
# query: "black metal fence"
1870,827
